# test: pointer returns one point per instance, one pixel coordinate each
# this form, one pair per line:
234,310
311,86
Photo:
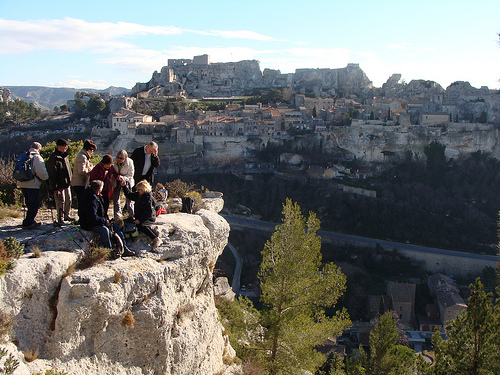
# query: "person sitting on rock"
144,211
94,218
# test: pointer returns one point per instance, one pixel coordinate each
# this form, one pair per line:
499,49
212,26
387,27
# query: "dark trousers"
148,231
32,201
105,239
78,191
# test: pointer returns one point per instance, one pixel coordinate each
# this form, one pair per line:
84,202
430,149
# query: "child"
145,210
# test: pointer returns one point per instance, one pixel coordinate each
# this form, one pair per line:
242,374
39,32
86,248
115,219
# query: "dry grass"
128,320
70,270
31,355
7,212
117,277
36,252
5,326
95,255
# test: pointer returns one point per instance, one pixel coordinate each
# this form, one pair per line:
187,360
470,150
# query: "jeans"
105,239
32,201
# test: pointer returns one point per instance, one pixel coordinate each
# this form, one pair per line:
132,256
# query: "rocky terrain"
149,314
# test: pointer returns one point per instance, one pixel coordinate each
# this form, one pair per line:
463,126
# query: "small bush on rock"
178,188
128,320
95,255
10,249
10,364
31,355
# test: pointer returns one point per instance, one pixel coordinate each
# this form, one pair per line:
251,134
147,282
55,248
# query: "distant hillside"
49,97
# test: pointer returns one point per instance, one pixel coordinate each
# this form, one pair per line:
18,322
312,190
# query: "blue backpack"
23,168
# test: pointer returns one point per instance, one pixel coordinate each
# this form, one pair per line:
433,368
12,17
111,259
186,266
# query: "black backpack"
23,168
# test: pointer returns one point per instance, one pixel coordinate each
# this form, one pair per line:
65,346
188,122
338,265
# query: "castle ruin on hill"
200,78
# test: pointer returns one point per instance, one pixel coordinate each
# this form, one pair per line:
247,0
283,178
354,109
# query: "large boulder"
153,313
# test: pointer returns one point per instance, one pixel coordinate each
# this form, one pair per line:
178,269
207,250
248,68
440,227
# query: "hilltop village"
337,110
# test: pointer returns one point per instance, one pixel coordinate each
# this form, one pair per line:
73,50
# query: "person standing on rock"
103,171
124,168
60,180
82,168
31,188
145,160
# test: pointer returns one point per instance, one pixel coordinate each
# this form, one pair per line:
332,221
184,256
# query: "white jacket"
81,169
126,170
38,168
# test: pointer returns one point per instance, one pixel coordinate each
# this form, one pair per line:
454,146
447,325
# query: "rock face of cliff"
195,80
150,314
235,78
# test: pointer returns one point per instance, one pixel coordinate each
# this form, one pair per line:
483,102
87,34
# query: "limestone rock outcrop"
194,79
150,314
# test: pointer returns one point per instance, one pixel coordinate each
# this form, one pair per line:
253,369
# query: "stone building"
125,119
447,297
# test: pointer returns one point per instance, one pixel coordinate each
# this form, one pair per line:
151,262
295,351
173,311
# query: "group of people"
94,188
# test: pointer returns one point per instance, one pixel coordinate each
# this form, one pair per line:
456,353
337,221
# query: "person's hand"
122,182
136,221
58,193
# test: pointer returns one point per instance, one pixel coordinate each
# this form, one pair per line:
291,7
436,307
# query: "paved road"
245,222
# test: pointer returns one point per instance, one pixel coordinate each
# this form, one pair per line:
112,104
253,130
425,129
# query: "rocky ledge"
149,314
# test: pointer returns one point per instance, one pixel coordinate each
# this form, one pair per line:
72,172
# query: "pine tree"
386,354
472,345
296,288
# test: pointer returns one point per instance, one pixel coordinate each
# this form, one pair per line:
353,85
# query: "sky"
97,44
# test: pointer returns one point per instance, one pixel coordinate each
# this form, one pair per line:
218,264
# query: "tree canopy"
472,345
295,289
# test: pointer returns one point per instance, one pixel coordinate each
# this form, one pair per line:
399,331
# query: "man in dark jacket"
60,180
145,160
94,218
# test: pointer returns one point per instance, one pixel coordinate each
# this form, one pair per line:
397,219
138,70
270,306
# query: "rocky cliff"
150,314
237,78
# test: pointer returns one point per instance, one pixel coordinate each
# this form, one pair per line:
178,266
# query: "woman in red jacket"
105,173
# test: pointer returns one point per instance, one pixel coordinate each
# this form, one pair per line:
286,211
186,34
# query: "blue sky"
96,44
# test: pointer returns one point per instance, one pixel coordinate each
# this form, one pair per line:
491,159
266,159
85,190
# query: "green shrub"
10,364
10,249
13,247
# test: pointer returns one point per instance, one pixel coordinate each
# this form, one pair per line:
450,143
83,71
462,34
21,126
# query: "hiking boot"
69,218
128,253
33,225
156,243
58,223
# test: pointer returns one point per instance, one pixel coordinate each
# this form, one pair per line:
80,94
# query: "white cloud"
241,34
71,34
